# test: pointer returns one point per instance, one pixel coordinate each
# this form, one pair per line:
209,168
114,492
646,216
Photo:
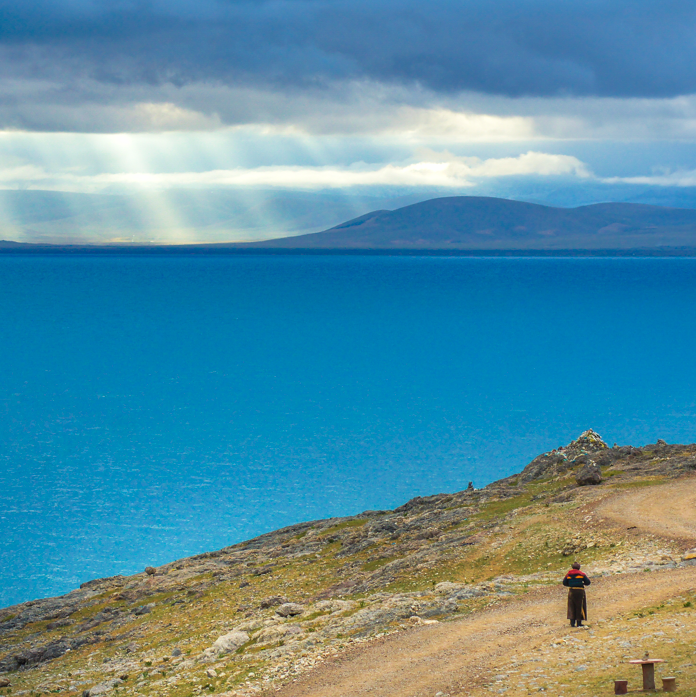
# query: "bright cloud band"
441,170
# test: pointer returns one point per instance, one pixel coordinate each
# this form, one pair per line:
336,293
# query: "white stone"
228,643
289,609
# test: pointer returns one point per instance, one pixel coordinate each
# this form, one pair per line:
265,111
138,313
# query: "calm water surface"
156,407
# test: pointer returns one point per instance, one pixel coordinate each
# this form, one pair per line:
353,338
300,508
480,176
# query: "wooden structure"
648,667
620,687
669,684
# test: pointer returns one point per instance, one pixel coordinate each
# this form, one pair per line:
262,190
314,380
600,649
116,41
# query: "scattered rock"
263,570
59,623
108,581
290,610
280,632
211,673
447,587
589,475
176,651
342,588
102,688
334,605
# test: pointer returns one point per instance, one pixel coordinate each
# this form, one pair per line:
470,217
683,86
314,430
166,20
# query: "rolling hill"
481,223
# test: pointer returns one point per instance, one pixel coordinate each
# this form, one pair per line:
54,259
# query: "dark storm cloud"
524,47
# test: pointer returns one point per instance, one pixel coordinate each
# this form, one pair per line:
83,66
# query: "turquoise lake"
155,407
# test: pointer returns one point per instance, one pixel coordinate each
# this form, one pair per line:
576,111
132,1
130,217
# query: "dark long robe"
577,604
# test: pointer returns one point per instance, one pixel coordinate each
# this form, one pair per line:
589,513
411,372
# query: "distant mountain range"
483,223
456,224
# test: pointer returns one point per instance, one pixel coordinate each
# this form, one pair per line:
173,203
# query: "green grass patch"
342,526
376,563
651,481
497,509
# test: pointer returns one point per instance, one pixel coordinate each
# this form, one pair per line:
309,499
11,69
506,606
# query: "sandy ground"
456,657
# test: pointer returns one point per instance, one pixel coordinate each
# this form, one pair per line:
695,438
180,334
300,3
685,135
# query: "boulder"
150,570
5,682
290,609
590,474
228,643
143,609
273,601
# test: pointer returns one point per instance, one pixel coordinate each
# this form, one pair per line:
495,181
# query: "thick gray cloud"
622,48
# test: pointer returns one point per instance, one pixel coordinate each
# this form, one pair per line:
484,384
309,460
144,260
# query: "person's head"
576,565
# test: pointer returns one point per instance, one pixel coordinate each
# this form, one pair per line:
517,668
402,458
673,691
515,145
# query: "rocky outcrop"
558,461
41,654
589,475
543,466
588,442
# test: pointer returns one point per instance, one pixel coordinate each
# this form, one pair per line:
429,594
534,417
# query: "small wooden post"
648,676
669,684
620,687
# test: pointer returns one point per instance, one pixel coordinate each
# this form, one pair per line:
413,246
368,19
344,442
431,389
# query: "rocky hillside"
255,615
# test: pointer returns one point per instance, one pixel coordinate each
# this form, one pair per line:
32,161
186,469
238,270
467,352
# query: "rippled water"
156,407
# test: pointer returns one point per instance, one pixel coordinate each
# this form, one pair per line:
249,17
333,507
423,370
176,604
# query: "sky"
380,96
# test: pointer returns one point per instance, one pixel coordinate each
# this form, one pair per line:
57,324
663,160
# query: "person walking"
576,581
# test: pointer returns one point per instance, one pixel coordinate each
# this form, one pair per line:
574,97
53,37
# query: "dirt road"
454,657
668,510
